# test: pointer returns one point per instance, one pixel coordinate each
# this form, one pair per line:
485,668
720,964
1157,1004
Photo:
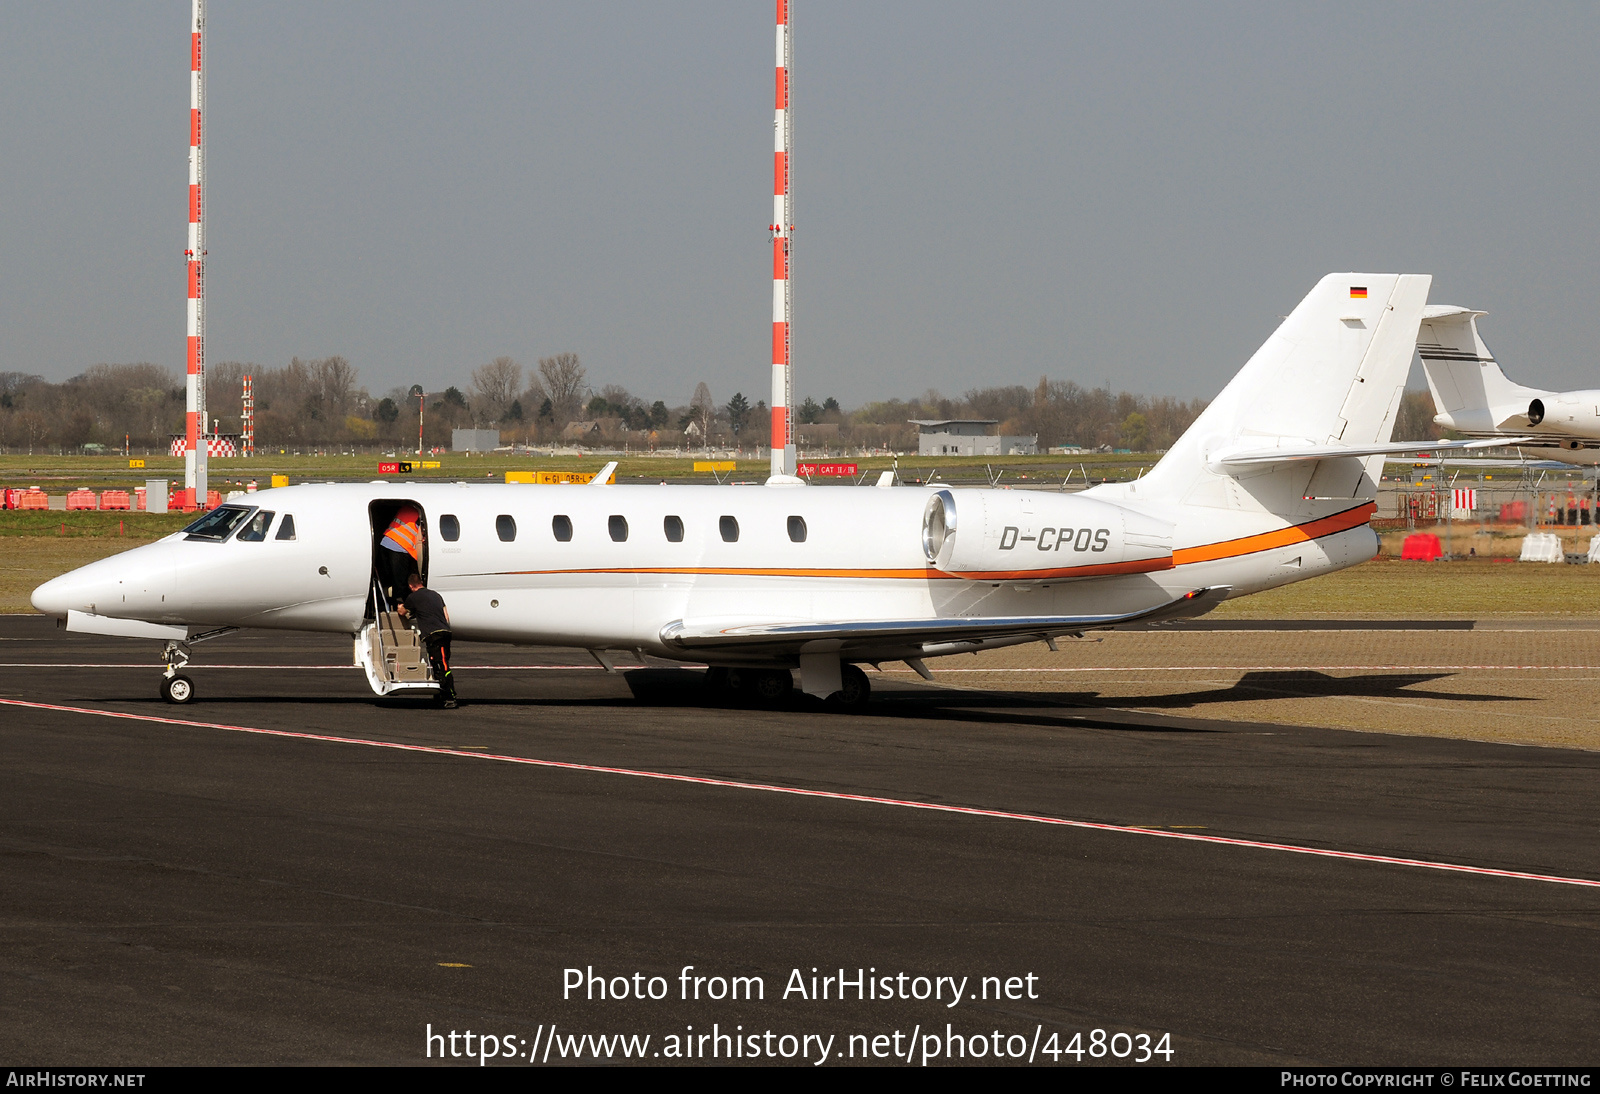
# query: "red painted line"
732,784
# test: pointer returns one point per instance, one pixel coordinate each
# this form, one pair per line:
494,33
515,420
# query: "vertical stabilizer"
1469,390
1332,373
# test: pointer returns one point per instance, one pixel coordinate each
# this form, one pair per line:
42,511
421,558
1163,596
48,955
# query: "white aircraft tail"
1469,390
1331,374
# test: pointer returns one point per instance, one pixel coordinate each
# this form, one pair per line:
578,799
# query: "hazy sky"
984,193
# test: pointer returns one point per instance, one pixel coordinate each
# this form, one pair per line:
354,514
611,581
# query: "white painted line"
1273,668
297,668
733,784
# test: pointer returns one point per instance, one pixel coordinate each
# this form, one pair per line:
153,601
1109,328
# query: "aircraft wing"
881,635
1241,457
1493,463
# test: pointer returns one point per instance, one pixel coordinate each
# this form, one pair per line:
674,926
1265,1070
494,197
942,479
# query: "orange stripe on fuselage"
1106,569
901,574
739,571
1210,552
1282,537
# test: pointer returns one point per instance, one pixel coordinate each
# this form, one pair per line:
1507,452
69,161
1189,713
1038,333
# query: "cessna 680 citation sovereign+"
1273,483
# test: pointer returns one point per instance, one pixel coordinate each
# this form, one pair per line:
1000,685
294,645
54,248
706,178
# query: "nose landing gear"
175,686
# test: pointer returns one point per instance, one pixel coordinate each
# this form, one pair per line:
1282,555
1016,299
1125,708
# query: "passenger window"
505,528
255,529
285,527
449,528
561,527
618,527
797,529
673,526
729,529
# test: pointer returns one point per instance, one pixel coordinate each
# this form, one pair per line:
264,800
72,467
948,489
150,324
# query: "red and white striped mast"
194,453
783,456
247,418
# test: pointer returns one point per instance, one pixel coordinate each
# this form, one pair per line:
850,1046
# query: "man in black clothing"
426,609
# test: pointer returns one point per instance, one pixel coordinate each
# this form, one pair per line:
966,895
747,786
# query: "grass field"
1390,589
57,474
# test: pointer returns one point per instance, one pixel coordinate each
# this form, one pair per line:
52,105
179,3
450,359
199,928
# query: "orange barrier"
82,499
114,499
1422,547
34,498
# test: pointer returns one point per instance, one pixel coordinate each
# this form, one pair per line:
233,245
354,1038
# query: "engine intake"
1020,535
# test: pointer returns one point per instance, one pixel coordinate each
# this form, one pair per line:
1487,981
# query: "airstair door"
395,556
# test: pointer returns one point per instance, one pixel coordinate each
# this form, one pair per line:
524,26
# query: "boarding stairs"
393,655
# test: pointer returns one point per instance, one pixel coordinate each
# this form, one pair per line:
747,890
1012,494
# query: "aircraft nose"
132,582
69,592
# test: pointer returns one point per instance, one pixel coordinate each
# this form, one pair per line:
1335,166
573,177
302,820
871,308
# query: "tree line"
319,404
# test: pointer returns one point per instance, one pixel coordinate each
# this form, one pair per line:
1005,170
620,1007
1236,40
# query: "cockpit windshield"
218,524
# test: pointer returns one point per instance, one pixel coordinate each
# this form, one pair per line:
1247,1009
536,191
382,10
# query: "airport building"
969,437
474,440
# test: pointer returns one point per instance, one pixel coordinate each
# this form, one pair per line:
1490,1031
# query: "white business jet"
1273,483
1472,396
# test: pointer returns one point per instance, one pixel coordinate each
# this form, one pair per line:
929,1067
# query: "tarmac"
288,871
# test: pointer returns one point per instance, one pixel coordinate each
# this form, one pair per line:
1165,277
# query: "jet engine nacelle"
1019,535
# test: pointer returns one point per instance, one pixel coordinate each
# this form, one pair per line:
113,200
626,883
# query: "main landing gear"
854,691
775,687
753,687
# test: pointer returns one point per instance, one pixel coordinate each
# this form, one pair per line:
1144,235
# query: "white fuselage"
862,557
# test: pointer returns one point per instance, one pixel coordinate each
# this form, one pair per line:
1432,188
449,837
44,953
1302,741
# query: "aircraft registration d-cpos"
1273,483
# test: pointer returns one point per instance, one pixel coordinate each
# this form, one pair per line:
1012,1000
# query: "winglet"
604,477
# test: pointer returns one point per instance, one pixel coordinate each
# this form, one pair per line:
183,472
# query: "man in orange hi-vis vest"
402,551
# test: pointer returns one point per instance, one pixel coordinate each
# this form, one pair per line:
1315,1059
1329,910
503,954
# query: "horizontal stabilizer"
855,634
1254,456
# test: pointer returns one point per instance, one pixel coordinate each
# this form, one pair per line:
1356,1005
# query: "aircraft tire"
856,691
773,686
177,689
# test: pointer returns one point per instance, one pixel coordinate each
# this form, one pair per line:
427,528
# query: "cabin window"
797,529
618,526
729,529
673,527
255,529
449,528
561,528
505,528
285,527
218,524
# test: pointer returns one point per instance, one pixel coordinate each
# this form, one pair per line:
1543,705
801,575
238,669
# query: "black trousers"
394,569
438,644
